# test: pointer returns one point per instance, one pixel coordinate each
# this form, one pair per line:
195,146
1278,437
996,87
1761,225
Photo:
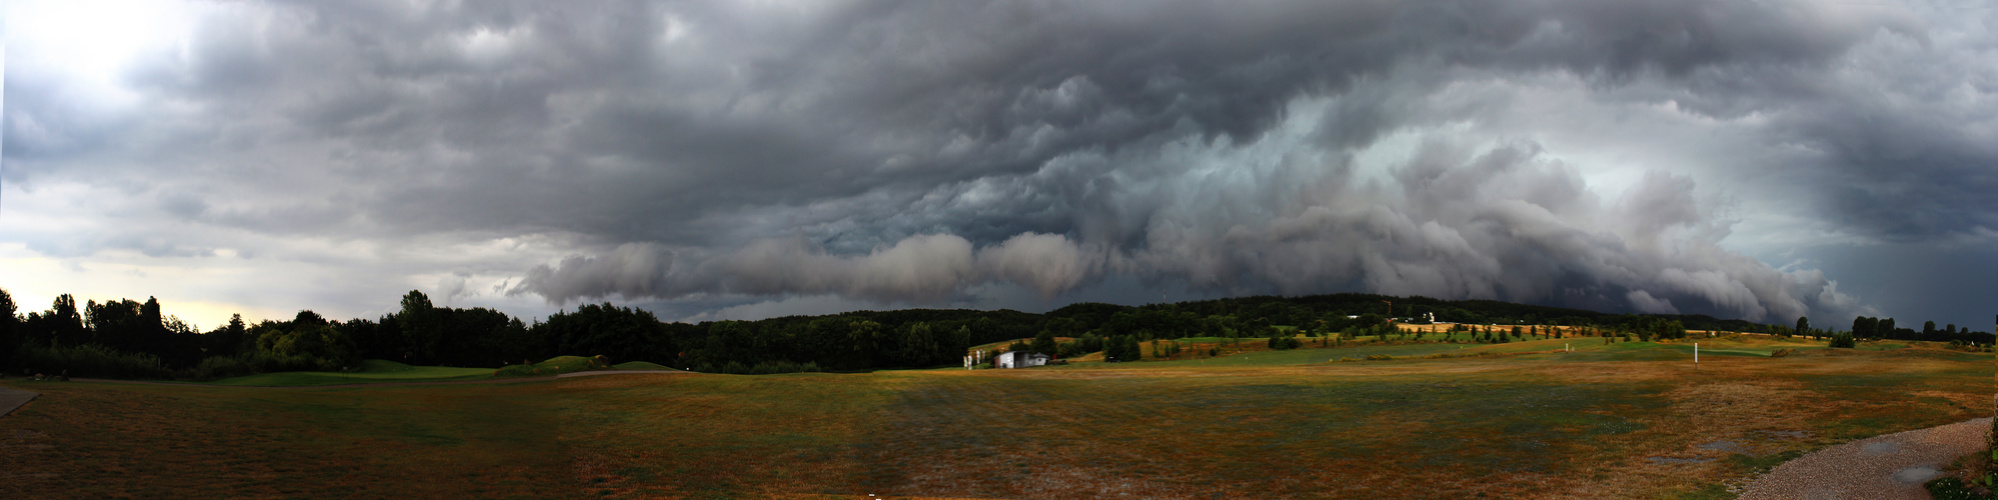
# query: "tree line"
132,339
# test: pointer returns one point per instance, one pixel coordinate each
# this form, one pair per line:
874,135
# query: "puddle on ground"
1916,475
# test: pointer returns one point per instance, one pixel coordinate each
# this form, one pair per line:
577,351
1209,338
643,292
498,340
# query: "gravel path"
14,398
1887,467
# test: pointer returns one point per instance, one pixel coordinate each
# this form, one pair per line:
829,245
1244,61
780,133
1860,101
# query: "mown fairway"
372,371
1608,421
103,440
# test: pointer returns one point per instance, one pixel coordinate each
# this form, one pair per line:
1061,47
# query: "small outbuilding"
1020,359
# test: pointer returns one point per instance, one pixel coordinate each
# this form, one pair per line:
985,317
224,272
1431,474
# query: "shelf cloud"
1700,157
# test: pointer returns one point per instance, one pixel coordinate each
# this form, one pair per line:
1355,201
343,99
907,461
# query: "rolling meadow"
1419,420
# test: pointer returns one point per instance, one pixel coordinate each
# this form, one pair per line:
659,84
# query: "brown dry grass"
1504,427
87,440
1549,425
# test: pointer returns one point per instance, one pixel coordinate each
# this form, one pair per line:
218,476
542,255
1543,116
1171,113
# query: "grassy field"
1525,420
640,365
375,371
372,371
106,440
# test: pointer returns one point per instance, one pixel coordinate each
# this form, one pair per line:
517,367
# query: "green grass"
1584,349
640,365
553,366
371,371
381,371
1713,491
1303,356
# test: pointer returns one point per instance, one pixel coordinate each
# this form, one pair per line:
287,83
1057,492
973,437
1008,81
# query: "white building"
1020,359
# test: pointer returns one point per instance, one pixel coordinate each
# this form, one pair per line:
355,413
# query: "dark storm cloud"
905,152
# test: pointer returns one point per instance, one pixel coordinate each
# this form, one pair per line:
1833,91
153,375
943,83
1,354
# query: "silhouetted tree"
61,324
10,333
228,340
420,332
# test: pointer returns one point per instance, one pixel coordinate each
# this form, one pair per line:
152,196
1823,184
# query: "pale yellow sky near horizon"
34,282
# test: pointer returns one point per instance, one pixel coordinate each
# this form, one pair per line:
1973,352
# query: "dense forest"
130,339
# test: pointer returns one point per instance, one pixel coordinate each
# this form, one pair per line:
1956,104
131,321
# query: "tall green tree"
1803,325
918,346
863,339
1044,343
1862,327
1122,348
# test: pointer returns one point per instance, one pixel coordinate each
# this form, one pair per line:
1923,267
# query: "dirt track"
14,398
1886,467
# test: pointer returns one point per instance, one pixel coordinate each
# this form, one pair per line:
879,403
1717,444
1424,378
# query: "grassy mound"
640,365
371,371
555,366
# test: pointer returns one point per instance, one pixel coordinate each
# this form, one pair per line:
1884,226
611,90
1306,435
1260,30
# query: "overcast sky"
1757,159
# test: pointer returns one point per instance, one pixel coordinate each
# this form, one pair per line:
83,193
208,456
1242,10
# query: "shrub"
267,362
221,367
1950,488
770,367
1379,357
1284,343
522,370
92,360
1843,340
1780,353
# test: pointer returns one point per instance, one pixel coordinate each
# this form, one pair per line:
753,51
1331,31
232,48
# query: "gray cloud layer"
1586,153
